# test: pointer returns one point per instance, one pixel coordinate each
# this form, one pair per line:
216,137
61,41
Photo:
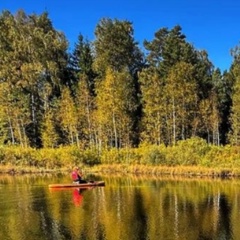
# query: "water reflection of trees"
127,208
220,225
185,209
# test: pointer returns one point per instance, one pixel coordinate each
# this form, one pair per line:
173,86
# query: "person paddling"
77,176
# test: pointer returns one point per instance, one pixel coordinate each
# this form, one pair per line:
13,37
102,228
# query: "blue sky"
211,25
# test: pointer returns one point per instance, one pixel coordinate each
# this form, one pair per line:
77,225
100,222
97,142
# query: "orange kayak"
77,185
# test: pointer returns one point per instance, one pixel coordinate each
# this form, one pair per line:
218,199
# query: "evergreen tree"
234,135
167,51
82,63
168,48
222,88
225,99
115,47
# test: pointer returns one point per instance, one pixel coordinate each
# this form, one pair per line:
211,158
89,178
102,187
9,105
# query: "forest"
109,93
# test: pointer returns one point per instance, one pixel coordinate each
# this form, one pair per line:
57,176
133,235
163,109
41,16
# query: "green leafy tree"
33,62
115,46
116,49
170,47
167,51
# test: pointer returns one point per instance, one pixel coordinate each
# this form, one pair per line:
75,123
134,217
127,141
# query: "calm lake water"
126,208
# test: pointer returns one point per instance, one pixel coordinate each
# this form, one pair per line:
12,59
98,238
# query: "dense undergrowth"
193,156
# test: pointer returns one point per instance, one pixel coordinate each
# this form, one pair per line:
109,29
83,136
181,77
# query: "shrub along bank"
193,156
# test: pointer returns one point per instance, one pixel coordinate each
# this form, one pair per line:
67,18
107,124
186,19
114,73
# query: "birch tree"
68,117
181,99
153,124
33,61
114,103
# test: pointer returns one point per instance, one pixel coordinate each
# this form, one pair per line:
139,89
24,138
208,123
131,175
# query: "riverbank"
189,171
191,157
13,170
171,171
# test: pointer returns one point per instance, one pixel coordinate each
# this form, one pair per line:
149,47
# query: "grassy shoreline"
191,157
170,171
12,170
187,171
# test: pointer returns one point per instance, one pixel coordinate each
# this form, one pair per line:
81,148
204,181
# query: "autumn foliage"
109,102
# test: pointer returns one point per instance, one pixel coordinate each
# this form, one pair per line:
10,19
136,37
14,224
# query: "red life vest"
75,175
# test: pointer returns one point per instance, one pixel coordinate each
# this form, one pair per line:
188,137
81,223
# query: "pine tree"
82,63
115,46
235,110
117,58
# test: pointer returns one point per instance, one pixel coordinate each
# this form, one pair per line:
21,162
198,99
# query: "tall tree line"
107,92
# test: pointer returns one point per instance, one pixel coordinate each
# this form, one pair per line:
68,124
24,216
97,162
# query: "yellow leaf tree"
114,104
181,99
